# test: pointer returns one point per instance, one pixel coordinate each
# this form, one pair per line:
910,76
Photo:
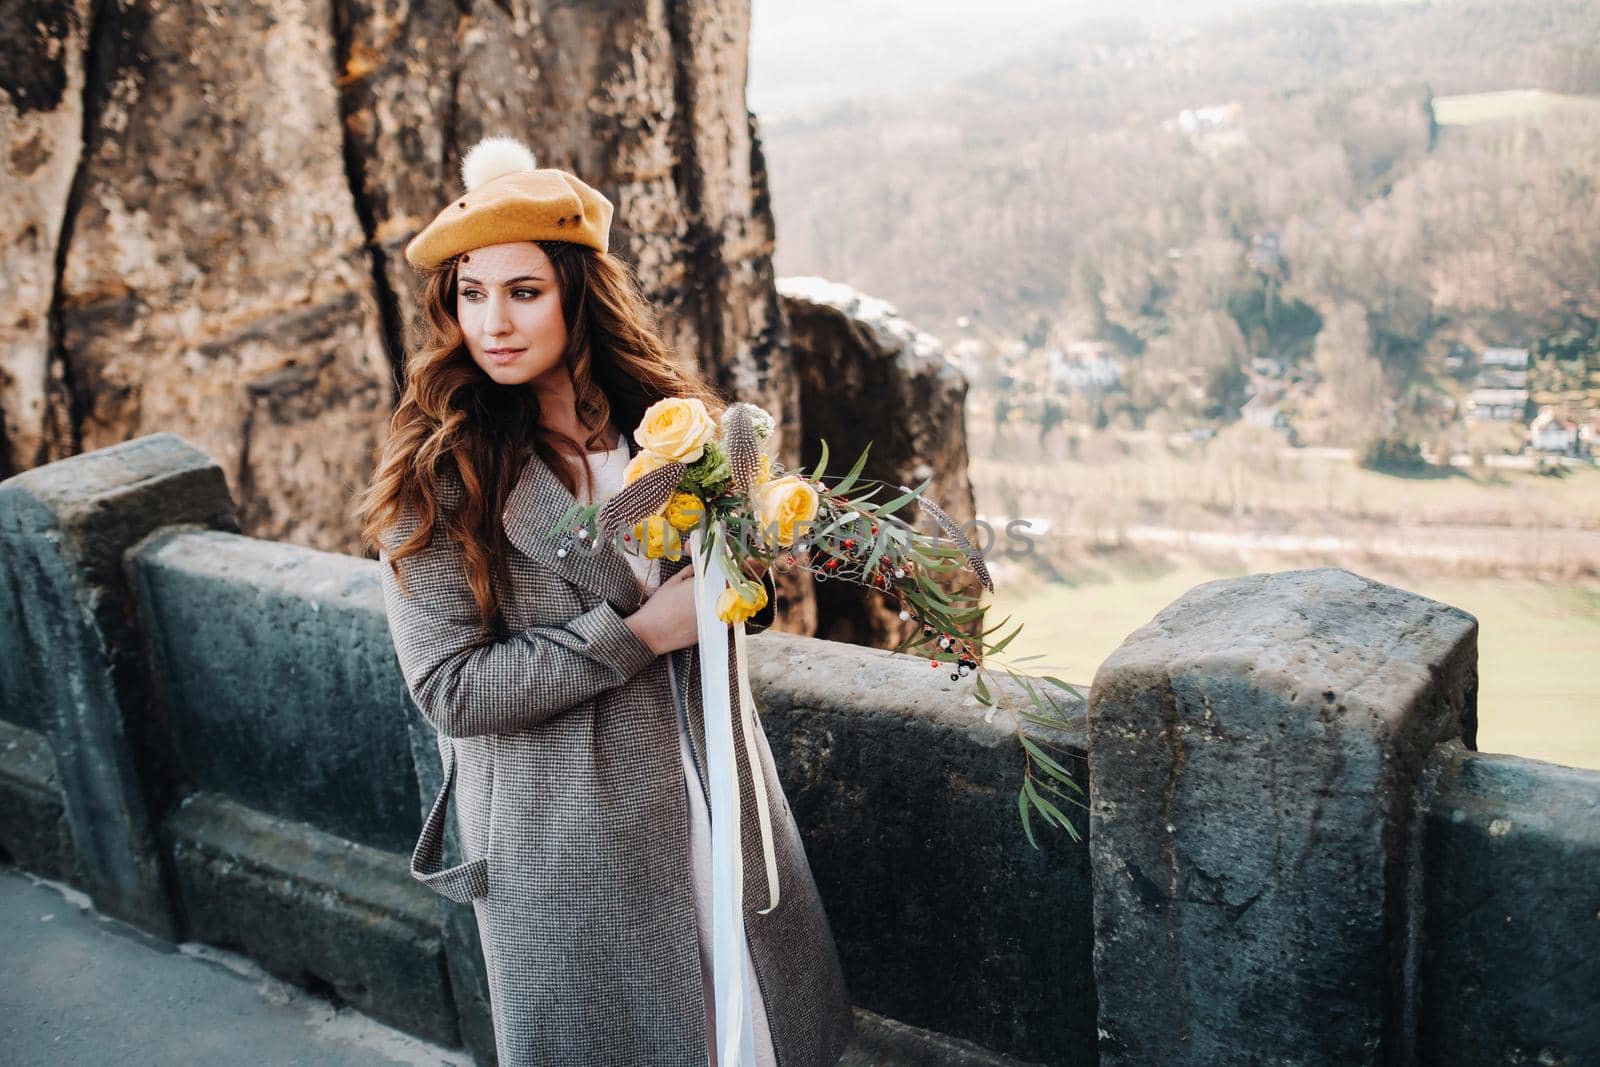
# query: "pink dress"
606,471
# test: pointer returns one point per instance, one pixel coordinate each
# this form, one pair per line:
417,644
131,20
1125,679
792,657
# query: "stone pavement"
78,988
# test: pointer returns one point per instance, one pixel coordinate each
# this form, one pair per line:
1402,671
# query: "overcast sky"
809,52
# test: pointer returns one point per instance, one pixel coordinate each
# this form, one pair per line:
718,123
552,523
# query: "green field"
1469,109
1539,643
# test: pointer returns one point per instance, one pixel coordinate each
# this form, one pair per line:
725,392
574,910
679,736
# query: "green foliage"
1272,324
1102,418
1339,181
1227,388
1037,335
710,471
1051,415
1580,342
1392,453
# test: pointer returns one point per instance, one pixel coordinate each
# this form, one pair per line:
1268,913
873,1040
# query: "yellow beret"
508,198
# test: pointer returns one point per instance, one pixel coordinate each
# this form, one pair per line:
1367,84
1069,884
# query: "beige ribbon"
727,851
747,704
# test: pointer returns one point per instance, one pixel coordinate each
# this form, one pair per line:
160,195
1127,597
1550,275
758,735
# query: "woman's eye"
473,294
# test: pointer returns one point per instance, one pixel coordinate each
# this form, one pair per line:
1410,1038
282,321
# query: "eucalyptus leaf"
1062,794
1050,812
905,498
877,551
1044,758
996,626
1047,807
850,479
561,525
1042,720
1027,828
1007,640
1068,686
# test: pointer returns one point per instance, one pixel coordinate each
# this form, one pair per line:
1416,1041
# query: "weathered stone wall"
1293,854
1509,912
1297,858
256,777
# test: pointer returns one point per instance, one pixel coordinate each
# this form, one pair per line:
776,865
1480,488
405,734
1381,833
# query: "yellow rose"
731,607
676,428
683,511
658,537
783,503
641,464
763,468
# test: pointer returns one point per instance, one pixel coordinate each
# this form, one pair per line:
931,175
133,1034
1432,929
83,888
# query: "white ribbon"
735,1038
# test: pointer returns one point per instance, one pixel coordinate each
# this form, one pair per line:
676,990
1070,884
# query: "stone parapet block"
1510,964
73,662
1254,752
314,909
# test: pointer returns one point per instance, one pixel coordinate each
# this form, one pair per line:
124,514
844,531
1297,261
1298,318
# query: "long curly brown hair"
454,422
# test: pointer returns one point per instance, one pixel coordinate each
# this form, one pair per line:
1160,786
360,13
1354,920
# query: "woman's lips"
504,357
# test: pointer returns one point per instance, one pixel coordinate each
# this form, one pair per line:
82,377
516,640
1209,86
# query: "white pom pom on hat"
510,198
495,157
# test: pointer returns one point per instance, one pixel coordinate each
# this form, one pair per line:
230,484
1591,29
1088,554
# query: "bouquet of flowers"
723,483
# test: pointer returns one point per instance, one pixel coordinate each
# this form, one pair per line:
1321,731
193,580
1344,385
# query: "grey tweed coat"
561,741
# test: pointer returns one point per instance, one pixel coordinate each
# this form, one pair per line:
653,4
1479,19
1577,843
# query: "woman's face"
509,308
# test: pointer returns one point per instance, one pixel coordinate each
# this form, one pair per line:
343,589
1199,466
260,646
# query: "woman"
564,687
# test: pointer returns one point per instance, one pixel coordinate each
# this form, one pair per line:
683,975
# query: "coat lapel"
535,504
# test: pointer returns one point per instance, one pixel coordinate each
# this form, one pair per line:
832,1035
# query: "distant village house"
1501,393
1551,431
1510,358
1499,405
1083,366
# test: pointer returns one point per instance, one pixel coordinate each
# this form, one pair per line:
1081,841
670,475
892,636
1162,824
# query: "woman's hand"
666,621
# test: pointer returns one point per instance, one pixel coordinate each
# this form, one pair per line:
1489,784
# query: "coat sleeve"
469,685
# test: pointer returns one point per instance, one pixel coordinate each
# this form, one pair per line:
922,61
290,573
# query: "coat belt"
464,881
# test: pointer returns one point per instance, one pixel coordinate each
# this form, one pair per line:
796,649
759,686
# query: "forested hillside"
1305,195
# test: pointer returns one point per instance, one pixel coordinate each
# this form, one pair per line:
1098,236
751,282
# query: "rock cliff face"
41,122
205,207
867,376
206,204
